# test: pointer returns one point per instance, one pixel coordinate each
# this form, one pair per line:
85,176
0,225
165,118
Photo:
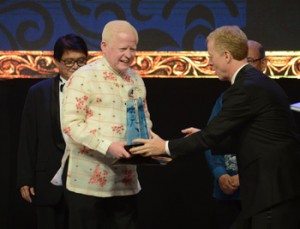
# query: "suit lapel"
55,115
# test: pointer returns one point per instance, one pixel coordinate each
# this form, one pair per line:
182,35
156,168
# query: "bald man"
100,195
256,55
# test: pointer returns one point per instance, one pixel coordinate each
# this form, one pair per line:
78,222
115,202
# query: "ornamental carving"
40,64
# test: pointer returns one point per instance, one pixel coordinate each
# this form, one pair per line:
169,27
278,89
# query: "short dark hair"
69,42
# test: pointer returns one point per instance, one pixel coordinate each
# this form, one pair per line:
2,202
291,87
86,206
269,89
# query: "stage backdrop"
165,25
162,25
177,196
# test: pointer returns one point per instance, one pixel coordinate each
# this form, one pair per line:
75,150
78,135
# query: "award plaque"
136,127
136,124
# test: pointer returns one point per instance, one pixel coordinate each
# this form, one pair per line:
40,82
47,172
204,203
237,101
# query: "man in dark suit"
42,143
226,192
257,124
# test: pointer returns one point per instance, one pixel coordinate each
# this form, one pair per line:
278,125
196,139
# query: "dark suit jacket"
41,143
257,117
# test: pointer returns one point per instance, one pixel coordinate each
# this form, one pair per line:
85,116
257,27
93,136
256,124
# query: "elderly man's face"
120,51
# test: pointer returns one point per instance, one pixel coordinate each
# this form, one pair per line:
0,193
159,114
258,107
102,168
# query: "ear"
103,45
264,64
228,56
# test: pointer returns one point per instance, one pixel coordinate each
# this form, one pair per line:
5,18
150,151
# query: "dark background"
175,196
178,195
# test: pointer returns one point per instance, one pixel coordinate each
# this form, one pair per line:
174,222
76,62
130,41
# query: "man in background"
256,55
226,193
42,143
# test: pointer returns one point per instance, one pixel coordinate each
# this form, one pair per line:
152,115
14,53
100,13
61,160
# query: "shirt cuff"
167,148
219,171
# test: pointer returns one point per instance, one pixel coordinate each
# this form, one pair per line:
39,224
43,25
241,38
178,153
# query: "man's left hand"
151,147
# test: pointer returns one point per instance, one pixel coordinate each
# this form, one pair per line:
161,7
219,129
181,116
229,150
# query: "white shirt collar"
62,80
62,83
235,74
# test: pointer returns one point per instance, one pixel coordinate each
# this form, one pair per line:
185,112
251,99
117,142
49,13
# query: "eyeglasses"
70,62
252,60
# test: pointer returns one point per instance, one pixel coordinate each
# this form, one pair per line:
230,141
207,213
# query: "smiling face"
120,51
69,56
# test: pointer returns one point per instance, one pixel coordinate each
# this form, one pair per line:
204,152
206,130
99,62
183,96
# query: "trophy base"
128,147
141,160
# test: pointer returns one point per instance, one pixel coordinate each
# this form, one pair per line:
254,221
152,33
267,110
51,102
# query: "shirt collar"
235,74
62,83
62,80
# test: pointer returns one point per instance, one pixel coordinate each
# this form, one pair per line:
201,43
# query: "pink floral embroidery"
127,78
67,130
99,177
81,105
84,150
93,131
98,100
128,177
118,129
89,113
109,76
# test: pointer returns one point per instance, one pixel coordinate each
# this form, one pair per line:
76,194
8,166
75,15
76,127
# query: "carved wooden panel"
39,64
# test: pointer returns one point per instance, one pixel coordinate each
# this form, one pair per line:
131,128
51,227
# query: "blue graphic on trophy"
136,125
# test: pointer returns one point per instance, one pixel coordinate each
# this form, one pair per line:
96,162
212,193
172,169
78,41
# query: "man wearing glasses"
256,55
42,143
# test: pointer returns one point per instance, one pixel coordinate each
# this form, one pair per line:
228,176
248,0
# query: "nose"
128,53
75,65
210,64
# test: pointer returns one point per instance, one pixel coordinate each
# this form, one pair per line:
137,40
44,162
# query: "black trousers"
52,216
89,212
225,213
285,215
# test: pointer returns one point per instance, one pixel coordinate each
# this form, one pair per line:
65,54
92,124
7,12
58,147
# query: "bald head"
119,44
256,55
117,26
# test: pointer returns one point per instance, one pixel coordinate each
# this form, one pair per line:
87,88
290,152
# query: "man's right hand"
117,150
27,192
189,131
227,184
